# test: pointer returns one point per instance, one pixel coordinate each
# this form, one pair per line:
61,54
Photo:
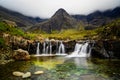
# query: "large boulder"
21,55
106,49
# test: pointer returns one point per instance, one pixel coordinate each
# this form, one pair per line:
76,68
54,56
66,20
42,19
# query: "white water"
50,48
47,48
81,50
38,50
46,52
61,50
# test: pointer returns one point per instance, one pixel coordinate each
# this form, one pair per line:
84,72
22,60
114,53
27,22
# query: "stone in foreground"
21,55
26,75
17,73
39,72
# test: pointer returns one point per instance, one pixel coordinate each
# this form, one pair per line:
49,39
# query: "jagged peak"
60,11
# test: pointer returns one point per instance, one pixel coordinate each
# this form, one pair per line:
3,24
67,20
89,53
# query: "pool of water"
62,68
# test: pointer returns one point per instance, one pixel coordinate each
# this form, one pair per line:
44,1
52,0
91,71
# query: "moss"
110,31
72,34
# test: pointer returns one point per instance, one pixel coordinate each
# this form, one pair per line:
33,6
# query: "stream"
64,68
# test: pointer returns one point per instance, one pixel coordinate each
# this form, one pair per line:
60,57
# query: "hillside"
19,19
98,18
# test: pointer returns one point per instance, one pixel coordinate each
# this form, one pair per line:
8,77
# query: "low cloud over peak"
46,8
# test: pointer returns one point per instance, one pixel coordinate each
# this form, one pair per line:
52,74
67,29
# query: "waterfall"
38,50
81,50
90,49
47,47
50,48
61,49
46,52
77,47
84,50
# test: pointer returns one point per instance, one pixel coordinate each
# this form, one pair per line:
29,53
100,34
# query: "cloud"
46,8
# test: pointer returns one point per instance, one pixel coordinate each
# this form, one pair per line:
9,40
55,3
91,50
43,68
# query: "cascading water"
77,47
46,52
38,50
84,50
47,48
61,50
81,50
50,48
90,49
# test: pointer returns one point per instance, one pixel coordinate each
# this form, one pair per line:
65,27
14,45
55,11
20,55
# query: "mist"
46,8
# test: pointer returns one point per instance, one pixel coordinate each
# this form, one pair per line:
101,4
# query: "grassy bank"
71,34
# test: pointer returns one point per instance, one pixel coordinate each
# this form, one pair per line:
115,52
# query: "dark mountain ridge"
20,19
61,20
98,18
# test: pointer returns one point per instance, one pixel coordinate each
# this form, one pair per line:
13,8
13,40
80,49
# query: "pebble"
26,75
39,72
17,73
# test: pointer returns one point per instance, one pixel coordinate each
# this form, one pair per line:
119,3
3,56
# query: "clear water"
61,68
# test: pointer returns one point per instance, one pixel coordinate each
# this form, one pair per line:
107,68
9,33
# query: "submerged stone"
39,72
17,73
26,75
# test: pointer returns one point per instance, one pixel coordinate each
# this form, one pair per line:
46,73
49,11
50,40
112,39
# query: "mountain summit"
60,12
60,20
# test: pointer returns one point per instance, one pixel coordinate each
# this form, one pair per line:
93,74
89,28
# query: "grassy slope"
71,34
110,31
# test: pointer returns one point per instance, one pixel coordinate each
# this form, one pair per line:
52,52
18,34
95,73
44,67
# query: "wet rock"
26,75
17,73
69,46
39,72
21,55
106,49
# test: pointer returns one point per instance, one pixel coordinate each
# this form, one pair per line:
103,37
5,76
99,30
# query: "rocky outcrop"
21,55
69,46
106,49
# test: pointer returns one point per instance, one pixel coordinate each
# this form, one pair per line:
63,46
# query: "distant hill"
60,20
98,18
21,20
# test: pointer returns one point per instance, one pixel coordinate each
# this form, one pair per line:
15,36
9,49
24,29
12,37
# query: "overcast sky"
46,8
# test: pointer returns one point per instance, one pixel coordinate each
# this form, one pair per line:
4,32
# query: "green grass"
110,31
14,31
71,34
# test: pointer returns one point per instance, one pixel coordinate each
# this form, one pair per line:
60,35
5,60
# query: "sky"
46,8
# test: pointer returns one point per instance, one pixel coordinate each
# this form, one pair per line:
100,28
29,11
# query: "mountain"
98,18
60,20
19,19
